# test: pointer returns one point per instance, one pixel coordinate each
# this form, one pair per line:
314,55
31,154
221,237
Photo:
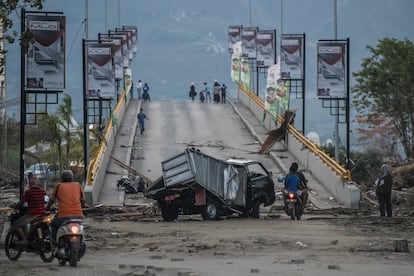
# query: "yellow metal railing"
95,162
314,148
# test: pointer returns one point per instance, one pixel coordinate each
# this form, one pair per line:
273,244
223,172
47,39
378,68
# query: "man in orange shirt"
70,198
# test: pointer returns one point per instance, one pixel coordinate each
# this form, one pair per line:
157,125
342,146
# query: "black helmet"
294,167
67,176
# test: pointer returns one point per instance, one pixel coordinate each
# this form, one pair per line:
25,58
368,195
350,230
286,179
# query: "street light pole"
86,19
119,13
250,13
337,102
106,16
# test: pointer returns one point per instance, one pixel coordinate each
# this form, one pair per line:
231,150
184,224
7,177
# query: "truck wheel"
169,213
210,211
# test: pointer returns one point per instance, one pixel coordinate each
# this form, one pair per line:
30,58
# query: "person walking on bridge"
139,89
146,96
223,93
208,92
141,118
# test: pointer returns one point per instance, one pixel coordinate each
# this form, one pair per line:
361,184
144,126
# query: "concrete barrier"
344,190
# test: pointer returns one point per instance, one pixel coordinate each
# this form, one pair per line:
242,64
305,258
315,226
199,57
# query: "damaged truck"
195,183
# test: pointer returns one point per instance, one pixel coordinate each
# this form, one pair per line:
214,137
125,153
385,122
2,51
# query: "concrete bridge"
174,125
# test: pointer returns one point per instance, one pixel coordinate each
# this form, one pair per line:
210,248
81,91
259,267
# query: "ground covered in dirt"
135,241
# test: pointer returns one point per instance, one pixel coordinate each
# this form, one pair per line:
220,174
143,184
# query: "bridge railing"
98,164
314,148
324,169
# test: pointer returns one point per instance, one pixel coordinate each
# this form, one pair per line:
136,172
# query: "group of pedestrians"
219,92
142,91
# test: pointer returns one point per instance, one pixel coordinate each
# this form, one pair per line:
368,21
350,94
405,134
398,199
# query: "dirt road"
329,242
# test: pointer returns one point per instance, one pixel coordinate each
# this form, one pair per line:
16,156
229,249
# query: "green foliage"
385,88
366,167
6,9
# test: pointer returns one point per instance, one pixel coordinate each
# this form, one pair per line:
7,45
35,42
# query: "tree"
6,9
65,114
385,89
49,126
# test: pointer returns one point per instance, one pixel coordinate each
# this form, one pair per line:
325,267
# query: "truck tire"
169,213
210,211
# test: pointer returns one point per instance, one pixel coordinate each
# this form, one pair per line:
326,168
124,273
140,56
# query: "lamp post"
86,19
337,102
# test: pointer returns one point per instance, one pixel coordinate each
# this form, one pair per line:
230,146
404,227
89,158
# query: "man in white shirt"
139,89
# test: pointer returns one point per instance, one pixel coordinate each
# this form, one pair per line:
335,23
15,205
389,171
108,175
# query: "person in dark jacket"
146,96
223,93
303,185
141,118
383,190
193,92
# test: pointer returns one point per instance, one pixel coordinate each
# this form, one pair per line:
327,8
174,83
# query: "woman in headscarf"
383,191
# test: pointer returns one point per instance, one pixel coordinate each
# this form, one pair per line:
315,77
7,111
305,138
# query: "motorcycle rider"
293,183
34,197
303,185
70,198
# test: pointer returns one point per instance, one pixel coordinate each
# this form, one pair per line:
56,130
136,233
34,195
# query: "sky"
184,41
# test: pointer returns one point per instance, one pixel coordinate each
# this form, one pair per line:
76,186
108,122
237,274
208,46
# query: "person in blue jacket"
141,118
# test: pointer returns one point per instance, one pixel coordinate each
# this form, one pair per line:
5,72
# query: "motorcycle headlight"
48,219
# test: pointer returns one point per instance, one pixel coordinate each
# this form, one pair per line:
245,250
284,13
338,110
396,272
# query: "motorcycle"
293,205
38,234
70,242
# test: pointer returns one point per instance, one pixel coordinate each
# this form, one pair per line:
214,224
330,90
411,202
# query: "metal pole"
335,20
86,19
106,16
281,17
22,103
257,77
303,83
337,101
85,113
119,13
347,107
250,13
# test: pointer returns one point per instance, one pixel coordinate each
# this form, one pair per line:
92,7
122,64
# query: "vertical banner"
331,68
292,52
282,92
235,62
271,99
234,36
248,38
100,71
124,47
134,37
127,79
266,48
45,60
245,72
116,53
129,41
